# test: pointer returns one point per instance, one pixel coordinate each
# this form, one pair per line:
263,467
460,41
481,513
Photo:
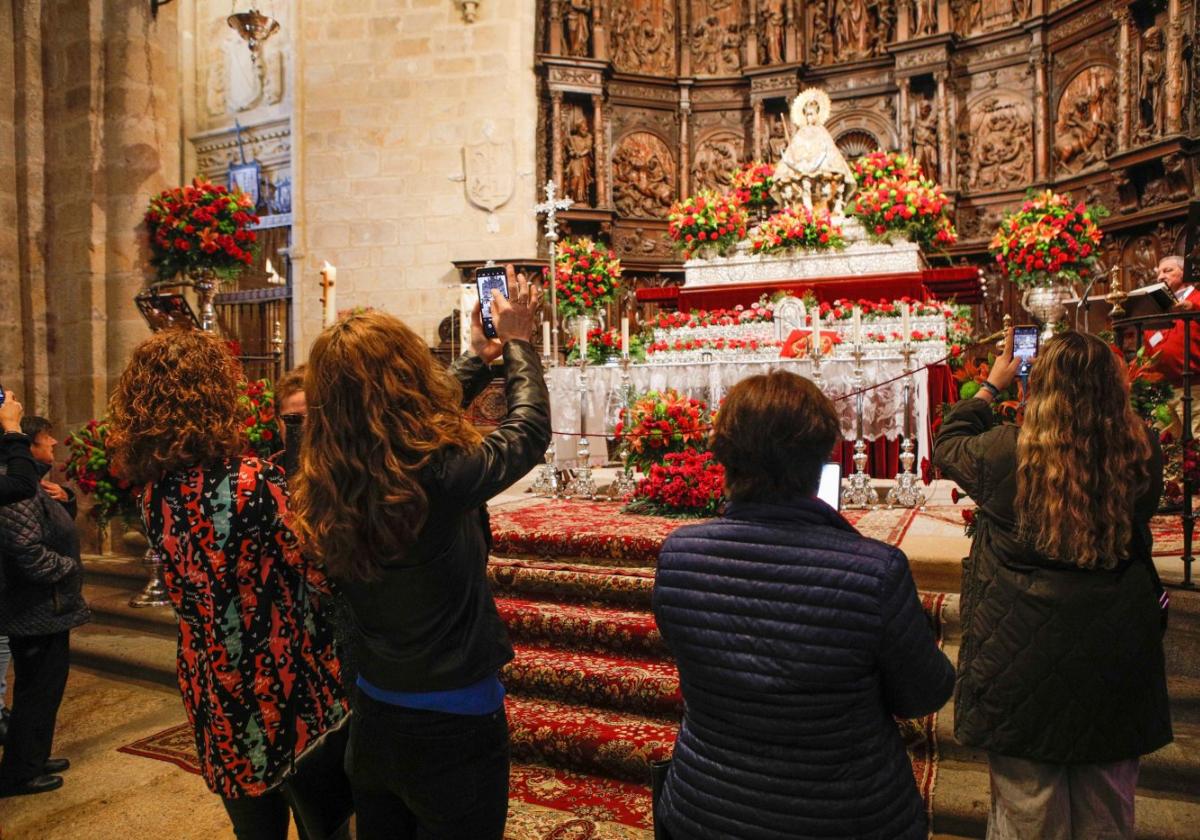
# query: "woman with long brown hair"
390,497
1061,675
256,666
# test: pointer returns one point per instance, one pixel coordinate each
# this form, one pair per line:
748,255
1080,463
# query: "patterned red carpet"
593,696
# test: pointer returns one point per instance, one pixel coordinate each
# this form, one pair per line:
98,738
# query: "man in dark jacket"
42,599
798,641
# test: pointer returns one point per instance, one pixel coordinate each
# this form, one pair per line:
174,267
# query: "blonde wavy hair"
379,409
1082,454
175,406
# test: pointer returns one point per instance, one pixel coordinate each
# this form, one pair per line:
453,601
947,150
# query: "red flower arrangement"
680,345
799,228
1049,239
707,218
912,208
754,314
90,467
659,423
605,343
201,227
587,277
689,483
880,167
261,423
752,184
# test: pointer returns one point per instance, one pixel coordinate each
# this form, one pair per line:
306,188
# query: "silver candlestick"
548,482
624,484
859,493
907,492
815,355
582,485
154,594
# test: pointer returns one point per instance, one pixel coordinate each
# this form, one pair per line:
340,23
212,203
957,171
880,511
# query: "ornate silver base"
907,491
623,485
548,482
154,594
858,492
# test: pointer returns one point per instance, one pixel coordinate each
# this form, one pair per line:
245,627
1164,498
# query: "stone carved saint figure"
1084,131
925,139
1150,85
812,172
852,38
924,17
772,28
579,27
822,38
580,152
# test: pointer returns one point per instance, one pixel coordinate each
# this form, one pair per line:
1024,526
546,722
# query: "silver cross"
550,207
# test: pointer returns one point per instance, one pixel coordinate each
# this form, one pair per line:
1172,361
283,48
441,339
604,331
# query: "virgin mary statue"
812,172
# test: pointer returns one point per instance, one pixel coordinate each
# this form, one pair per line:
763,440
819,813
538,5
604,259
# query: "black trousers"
421,775
40,665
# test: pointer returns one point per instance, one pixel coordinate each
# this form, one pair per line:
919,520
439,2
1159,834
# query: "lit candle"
625,337
329,299
906,322
816,330
857,325
545,338
583,342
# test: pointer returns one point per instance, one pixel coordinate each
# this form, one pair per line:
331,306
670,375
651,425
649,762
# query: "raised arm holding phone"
21,479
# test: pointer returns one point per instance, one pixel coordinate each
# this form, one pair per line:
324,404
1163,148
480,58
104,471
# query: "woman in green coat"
1061,675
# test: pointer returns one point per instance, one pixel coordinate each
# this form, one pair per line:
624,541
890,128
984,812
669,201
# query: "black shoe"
38,784
56,765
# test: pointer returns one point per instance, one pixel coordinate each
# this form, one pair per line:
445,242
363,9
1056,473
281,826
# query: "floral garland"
757,313
201,227
1048,240
880,167
680,345
842,310
689,483
604,344
914,209
796,228
90,467
752,184
707,218
257,400
587,277
660,423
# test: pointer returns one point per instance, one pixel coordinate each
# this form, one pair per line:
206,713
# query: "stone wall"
390,93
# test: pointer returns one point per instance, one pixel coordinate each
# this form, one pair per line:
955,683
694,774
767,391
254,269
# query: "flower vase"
586,321
154,593
1046,303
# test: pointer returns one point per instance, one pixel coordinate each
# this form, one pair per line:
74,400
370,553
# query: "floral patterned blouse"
233,572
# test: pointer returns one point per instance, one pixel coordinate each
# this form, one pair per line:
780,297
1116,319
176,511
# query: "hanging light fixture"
254,27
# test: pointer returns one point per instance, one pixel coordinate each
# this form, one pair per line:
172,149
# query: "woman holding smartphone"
1061,675
390,497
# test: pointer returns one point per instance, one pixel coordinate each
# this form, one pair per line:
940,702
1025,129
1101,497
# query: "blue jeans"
5,656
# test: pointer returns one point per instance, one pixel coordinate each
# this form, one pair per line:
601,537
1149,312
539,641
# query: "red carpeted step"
579,530
582,738
587,796
576,627
647,686
572,582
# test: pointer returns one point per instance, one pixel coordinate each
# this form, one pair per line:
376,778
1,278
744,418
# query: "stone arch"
869,122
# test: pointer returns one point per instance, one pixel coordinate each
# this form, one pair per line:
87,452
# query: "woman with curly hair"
1061,675
390,496
256,666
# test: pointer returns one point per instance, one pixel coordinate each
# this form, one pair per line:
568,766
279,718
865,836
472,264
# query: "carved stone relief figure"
716,158
852,35
777,140
643,176
579,147
1083,132
971,16
771,21
643,37
1141,259
717,40
923,17
1151,78
998,138
822,39
578,22
924,136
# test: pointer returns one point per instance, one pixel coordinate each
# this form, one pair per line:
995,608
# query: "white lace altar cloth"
883,407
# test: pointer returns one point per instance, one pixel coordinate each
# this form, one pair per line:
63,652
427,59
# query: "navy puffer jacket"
797,640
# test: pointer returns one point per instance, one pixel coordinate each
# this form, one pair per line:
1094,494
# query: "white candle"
583,342
857,325
906,322
329,299
545,338
816,330
625,336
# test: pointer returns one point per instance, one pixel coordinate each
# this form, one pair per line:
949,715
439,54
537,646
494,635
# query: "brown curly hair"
379,409
175,406
1082,454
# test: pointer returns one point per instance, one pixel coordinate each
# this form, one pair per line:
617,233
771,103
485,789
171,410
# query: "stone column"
943,129
599,33
685,142
752,57
904,92
757,140
555,45
1174,67
1124,71
792,33
1041,110
598,151
556,138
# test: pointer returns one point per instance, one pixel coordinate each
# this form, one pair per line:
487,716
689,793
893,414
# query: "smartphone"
1025,347
829,490
489,281
3,396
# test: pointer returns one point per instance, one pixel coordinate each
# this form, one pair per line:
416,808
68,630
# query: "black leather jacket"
430,624
20,479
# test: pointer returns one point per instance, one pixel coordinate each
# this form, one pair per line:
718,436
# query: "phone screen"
1025,347
829,490
489,281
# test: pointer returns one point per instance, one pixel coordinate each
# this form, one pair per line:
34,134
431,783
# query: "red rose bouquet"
660,423
1048,240
261,423
603,344
752,184
799,228
707,218
587,277
914,209
881,167
687,483
201,227
90,467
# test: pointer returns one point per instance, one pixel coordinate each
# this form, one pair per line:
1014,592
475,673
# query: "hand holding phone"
490,281
1025,348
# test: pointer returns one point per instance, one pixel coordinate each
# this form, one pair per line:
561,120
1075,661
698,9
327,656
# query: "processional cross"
551,207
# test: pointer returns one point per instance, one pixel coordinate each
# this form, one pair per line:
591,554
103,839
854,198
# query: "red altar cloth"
959,282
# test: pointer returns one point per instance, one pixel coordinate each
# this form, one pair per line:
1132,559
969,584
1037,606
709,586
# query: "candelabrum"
859,493
624,484
548,482
815,356
582,485
1117,294
906,492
